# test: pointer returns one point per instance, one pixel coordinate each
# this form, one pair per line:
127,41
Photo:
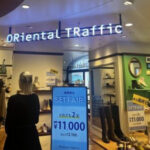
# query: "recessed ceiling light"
25,6
77,45
124,36
129,24
128,3
29,27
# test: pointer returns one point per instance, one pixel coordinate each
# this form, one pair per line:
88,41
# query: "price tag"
136,117
69,118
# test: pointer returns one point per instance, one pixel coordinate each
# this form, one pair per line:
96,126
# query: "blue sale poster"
69,118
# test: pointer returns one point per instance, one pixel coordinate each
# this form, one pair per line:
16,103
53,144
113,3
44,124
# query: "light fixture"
129,24
128,2
29,27
25,6
76,45
124,36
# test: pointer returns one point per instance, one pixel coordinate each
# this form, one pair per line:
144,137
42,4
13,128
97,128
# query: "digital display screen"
69,118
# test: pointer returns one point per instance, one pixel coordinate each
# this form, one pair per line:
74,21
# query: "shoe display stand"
44,124
109,87
45,114
108,130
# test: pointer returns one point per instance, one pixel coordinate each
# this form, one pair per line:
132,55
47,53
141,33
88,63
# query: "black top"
22,115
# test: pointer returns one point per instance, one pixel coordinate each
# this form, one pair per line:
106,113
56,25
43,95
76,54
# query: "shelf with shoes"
42,91
110,78
109,86
45,112
44,124
3,75
110,95
45,134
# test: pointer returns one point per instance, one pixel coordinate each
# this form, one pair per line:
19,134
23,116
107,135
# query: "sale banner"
69,118
140,100
136,117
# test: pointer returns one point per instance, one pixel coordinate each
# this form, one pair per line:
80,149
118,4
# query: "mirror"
135,67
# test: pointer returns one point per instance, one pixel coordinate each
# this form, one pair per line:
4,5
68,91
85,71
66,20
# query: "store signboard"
69,32
136,116
69,118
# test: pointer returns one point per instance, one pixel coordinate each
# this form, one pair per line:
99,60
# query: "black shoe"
111,134
116,119
105,138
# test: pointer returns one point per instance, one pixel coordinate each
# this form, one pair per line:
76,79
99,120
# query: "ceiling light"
29,27
128,2
129,24
77,45
25,6
124,36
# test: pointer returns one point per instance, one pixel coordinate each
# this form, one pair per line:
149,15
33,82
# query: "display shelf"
45,112
3,75
108,78
45,134
147,90
43,91
113,95
110,86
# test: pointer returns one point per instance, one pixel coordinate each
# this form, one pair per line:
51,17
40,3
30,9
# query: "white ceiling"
45,14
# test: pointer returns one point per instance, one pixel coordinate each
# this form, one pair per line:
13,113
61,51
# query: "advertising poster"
136,116
69,119
140,100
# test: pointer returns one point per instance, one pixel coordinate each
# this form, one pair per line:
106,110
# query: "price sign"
69,118
136,117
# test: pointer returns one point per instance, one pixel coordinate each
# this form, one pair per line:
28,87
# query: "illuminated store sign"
74,32
69,119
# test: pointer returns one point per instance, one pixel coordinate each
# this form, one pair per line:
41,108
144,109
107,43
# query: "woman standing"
22,115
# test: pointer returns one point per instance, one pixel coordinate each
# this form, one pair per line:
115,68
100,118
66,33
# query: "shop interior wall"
37,65
128,77
128,91
113,48
7,54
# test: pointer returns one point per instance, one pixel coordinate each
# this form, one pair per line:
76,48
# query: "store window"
78,72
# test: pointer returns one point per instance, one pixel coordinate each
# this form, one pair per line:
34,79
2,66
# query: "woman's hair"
25,82
1,84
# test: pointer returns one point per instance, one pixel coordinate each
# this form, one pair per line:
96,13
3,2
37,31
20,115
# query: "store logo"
66,33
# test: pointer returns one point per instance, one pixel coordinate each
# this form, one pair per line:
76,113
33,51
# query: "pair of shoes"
110,113
116,119
106,115
44,129
46,105
107,76
135,85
